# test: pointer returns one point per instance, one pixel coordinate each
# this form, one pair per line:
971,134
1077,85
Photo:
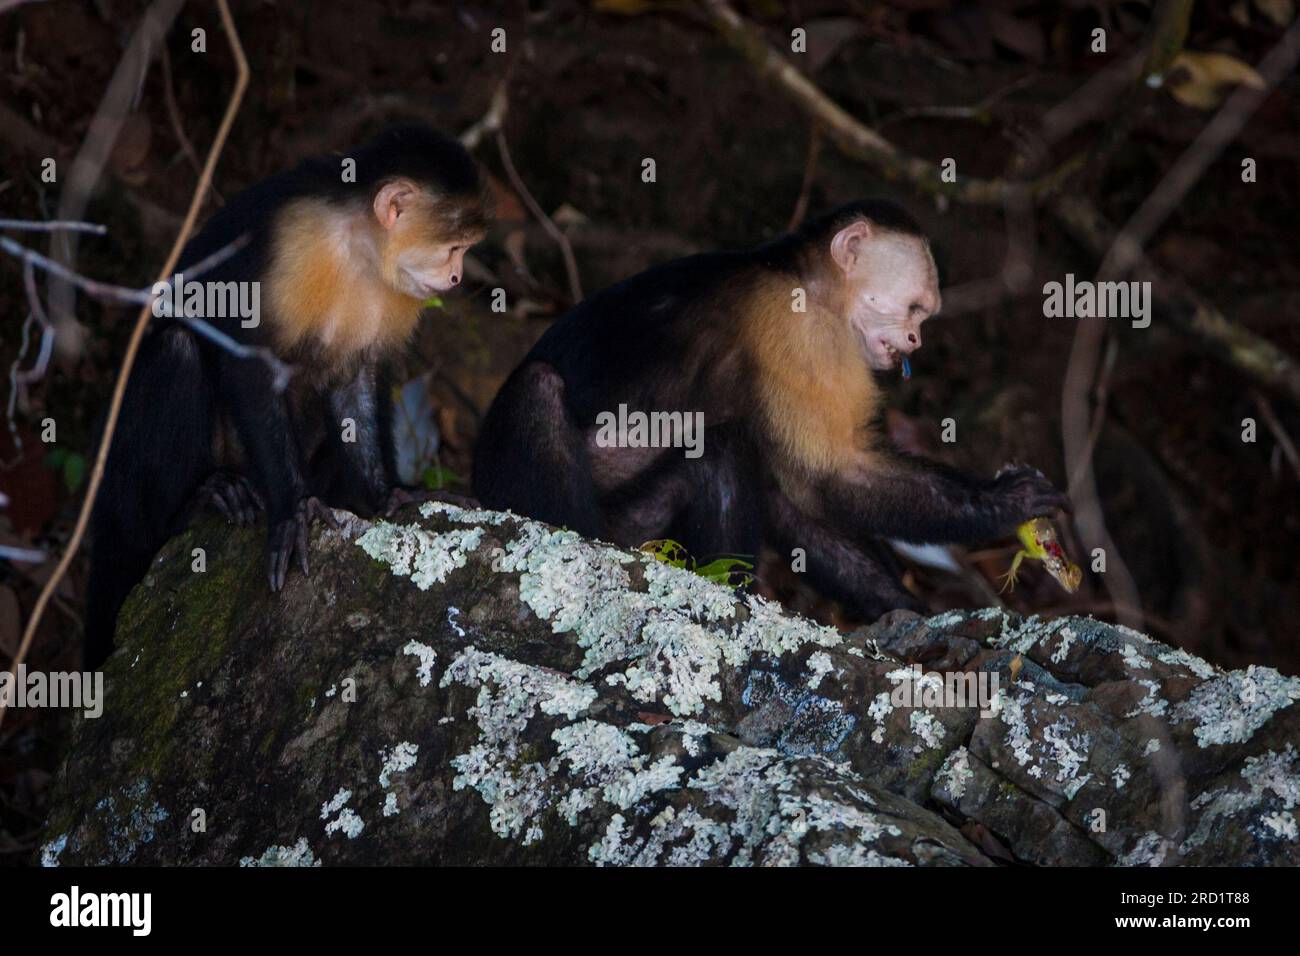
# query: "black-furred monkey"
345,264
792,453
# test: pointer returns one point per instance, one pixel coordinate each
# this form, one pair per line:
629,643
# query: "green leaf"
729,571
435,478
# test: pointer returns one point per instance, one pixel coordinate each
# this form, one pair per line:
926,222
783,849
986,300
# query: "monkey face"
426,268
892,288
420,258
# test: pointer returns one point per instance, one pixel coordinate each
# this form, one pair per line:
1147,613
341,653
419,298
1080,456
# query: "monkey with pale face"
776,346
346,250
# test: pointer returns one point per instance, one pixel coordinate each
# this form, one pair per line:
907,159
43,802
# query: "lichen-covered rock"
464,686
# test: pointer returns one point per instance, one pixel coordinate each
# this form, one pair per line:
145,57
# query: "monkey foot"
232,495
400,497
289,537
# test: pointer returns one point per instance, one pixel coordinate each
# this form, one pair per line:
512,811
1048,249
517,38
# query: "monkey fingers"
1030,493
232,495
290,537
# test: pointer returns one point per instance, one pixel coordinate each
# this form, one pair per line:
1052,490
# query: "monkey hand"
231,494
289,537
1025,493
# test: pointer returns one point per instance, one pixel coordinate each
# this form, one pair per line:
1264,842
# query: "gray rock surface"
465,687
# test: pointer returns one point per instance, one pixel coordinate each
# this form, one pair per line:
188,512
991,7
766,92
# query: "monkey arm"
918,500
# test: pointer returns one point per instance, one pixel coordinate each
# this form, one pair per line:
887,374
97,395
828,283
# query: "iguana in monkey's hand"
1040,543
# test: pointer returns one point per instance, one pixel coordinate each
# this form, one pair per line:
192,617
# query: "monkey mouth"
892,355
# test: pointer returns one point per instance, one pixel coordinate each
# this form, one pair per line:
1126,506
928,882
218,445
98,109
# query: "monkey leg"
532,457
267,433
862,578
709,504
648,507
721,509
365,468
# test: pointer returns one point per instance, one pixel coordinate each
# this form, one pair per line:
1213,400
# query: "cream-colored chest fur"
324,287
816,388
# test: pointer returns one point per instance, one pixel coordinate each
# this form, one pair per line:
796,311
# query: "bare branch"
95,150
853,137
1191,165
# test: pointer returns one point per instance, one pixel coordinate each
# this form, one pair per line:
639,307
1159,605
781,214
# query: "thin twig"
809,173
53,225
492,119
552,230
133,346
174,115
1099,413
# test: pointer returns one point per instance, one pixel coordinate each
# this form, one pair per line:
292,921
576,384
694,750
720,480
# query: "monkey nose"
913,340
455,279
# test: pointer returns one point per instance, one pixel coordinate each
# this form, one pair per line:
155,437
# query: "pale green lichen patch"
50,851
1151,849
1231,707
673,637
129,819
955,773
400,759
297,855
427,657
607,758
464,515
517,790
347,820
819,665
1265,806
770,812
1057,748
423,556
762,791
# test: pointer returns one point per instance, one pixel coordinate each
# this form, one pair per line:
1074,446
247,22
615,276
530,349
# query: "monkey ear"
392,199
846,247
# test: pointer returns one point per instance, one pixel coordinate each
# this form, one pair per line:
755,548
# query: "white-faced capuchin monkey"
775,346
343,264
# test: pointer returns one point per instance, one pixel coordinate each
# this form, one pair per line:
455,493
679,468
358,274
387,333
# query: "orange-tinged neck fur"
816,389
324,287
